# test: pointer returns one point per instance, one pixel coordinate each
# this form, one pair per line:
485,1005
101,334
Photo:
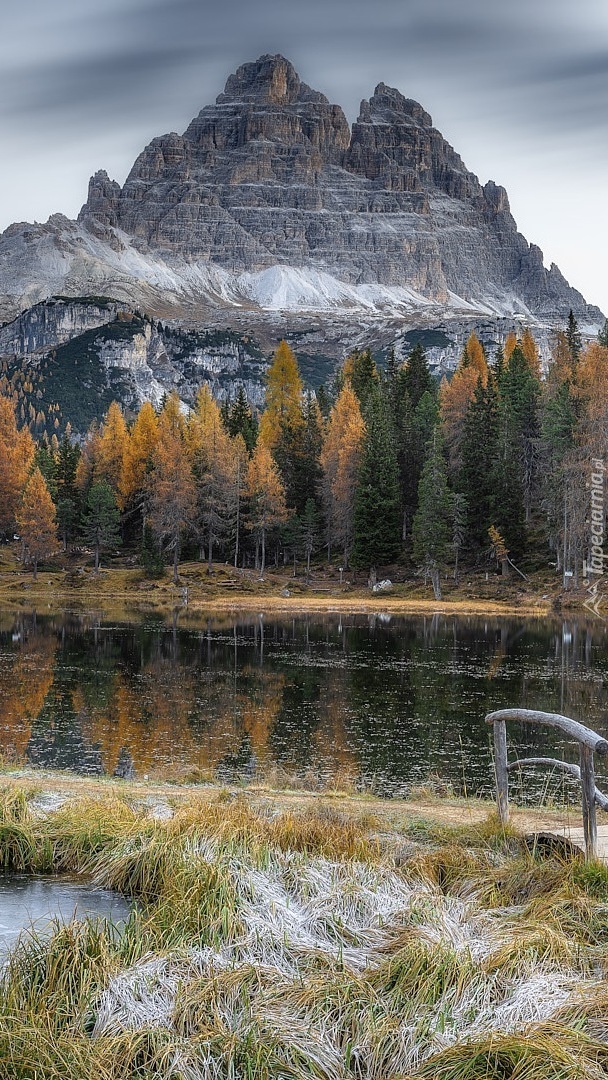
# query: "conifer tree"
102,519
602,336
213,461
172,492
16,460
519,398
573,337
297,453
340,459
239,420
480,447
36,520
529,349
112,448
283,395
267,507
138,460
433,521
361,371
377,512
415,377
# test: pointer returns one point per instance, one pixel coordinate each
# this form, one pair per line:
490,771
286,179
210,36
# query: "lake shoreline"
225,591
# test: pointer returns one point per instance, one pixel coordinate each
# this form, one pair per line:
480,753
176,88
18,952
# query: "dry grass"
270,942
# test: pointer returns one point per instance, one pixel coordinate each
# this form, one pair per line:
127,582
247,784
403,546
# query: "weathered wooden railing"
589,743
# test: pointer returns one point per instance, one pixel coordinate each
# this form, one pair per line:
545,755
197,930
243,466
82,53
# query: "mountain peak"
388,106
270,79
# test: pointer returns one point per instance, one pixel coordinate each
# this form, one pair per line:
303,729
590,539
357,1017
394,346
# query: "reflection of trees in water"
56,738
26,675
358,696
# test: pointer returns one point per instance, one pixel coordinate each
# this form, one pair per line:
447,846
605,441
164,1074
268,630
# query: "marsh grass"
267,945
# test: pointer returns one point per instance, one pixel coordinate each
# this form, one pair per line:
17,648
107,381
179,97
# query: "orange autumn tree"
529,348
16,458
215,464
267,507
283,396
340,460
591,391
172,492
138,459
456,396
36,520
509,345
111,448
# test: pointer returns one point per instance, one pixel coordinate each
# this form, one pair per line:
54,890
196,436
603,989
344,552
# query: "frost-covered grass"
268,943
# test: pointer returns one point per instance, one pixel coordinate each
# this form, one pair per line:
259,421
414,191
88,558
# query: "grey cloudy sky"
519,87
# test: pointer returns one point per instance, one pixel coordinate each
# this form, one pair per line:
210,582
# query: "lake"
29,902
382,701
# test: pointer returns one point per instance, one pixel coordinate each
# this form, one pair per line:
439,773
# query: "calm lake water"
31,902
384,701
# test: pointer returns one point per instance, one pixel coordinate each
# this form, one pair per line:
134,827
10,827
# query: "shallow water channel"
382,701
27,901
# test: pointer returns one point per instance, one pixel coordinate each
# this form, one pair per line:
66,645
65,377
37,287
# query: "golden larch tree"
16,458
340,460
214,463
36,520
509,345
112,447
139,456
172,495
474,356
529,348
267,507
283,395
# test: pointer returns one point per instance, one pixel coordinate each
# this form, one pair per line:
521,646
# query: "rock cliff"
269,202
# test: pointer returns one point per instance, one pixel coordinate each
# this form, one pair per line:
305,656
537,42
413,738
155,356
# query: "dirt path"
395,812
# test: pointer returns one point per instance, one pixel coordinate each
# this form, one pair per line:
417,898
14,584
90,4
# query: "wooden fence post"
502,772
589,818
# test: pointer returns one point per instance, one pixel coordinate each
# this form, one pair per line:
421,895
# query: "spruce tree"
416,377
573,337
519,394
360,368
602,336
433,525
377,513
239,420
102,519
477,480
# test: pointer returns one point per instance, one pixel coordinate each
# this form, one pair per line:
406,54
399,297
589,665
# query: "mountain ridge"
270,202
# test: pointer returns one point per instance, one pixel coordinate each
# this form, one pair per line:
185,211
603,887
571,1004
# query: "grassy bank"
291,935
73,583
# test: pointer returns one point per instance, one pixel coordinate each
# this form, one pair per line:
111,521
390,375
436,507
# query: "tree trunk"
175,563
35,569
263,566
436,582
96,558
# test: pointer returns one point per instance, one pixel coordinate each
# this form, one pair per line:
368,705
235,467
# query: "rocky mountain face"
269,202
69,359
269,217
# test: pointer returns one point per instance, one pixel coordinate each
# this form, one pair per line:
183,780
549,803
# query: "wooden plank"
582,734
589,818
502,771
601,800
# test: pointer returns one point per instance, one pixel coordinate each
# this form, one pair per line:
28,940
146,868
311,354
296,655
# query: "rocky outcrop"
81,355
268,201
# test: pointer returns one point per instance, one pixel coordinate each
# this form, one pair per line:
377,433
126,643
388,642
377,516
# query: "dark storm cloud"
134,53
